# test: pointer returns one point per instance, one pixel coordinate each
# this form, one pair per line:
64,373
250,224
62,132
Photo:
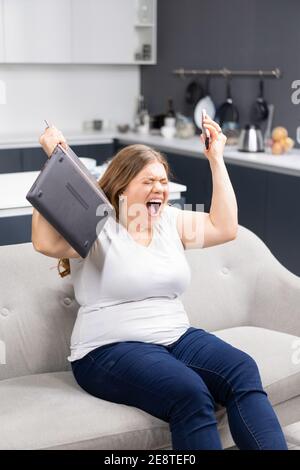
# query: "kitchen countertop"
287,164
14,141
15,186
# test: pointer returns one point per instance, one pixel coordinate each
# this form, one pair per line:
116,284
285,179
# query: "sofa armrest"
276,303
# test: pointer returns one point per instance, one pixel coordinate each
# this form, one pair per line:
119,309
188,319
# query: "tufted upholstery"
238,290
37,312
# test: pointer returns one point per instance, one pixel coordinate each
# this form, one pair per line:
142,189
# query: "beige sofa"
238,290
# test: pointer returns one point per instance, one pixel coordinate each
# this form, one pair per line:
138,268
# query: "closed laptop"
68,196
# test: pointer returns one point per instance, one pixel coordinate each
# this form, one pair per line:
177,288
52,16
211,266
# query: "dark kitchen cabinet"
283,220
267,203
33,159
100,152
15,229
194,173
250,188
10,160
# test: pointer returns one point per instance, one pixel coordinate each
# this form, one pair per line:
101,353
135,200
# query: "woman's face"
146,195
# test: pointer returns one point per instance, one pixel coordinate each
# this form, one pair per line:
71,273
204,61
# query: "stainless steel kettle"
251,139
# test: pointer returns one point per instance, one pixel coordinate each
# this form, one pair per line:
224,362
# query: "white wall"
66,95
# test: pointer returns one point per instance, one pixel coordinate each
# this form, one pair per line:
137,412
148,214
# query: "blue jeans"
181,384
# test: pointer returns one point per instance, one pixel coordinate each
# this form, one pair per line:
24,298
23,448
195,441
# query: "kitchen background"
74,62
236,34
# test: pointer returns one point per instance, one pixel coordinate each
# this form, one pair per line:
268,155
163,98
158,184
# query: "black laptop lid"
70,199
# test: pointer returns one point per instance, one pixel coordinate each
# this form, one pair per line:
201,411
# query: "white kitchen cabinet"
103,31
114,31
37,31
78,31
1,33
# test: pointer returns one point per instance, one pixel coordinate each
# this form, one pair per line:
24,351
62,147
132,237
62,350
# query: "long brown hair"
124,166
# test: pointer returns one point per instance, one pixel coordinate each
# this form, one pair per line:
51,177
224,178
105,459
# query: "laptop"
68,196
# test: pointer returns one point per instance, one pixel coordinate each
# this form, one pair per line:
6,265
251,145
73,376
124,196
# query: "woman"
132,342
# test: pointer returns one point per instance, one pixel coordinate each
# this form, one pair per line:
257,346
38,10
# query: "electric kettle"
251,139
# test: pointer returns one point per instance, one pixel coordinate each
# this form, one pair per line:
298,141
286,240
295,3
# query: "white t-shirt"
130,292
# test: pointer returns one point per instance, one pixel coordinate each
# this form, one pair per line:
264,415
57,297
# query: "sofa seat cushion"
275,355
50,411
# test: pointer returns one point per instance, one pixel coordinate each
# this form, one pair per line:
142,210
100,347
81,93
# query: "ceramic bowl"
168,132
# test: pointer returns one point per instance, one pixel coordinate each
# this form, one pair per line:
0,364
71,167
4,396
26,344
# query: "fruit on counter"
281,142
277,148
279,133
288,144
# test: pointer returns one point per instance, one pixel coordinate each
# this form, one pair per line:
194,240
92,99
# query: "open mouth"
153,207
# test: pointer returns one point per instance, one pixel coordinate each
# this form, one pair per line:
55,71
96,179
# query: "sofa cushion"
50,411
274,353
37,312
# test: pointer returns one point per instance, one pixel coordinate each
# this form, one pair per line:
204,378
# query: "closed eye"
152,181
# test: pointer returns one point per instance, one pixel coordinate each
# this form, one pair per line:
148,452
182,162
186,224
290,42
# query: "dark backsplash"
237,34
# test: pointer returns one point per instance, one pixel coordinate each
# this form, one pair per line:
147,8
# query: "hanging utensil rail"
276,73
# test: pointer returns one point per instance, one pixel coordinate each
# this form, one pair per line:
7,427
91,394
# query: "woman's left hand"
217,140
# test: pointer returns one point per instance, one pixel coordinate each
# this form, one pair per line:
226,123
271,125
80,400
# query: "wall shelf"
145,32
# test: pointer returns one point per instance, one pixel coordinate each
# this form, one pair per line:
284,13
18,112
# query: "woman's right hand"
51,138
